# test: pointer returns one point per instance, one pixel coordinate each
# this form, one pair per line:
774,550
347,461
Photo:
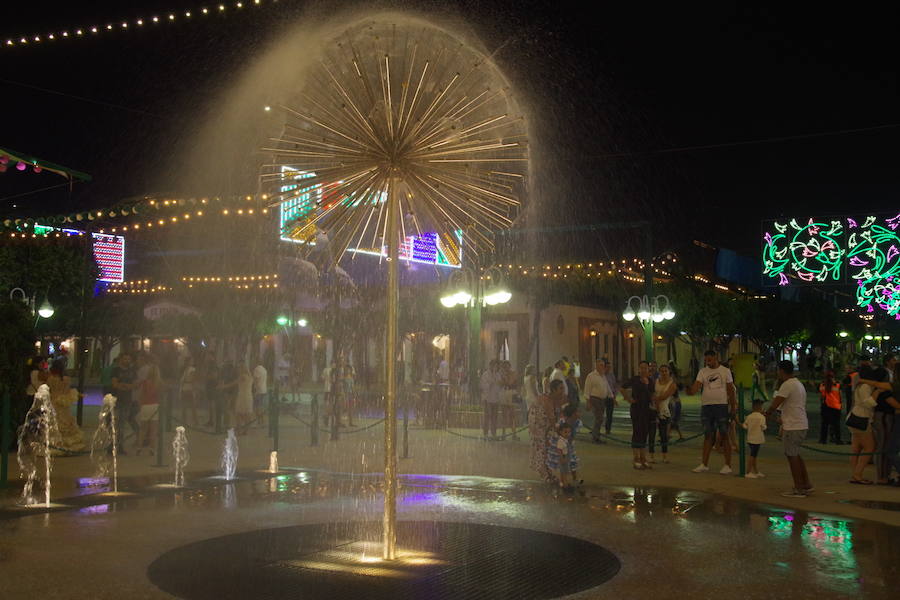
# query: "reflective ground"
668,542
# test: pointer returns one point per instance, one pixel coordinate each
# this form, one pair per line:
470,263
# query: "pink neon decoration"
783,280
851,222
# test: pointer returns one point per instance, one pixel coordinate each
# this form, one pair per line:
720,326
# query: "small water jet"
181,455
273,462
229,456
37,437
104,444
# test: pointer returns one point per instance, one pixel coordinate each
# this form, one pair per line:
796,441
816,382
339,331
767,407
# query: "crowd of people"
868,394
231,395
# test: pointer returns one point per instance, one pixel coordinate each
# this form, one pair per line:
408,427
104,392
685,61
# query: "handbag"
857,422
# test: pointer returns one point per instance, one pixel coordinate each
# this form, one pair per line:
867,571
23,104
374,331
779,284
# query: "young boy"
755,424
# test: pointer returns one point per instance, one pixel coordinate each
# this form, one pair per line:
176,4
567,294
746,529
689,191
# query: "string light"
124,25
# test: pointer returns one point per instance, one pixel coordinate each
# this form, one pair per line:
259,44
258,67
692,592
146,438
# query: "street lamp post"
466,289
648,311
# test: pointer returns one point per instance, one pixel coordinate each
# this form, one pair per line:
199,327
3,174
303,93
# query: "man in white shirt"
791,398
717,408
596,391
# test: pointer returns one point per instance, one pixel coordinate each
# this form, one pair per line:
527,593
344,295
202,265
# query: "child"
572,417
755,424
564,456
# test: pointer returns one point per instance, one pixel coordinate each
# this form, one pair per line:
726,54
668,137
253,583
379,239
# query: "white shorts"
149,412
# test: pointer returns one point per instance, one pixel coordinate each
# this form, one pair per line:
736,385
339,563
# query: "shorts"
149,412
754,449
792,440
714,417
564,465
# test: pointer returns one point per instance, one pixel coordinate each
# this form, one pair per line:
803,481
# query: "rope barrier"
192,428
204,431
823,451
481,437
342,431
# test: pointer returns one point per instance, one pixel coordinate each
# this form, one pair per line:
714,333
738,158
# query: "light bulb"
628,315
46,311
643,315
463,297
449,301
668,314
657,318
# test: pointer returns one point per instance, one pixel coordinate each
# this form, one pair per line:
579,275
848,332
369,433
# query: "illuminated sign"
428,248
295,210
862,251
109,252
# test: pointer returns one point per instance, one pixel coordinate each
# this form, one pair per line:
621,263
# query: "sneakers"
700,469
760,475
726,470
751,476
794,494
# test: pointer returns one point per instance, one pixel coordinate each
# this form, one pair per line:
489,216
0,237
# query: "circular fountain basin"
435,560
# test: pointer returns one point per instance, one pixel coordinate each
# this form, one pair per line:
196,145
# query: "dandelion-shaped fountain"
104,444
181,455
401,133
229,456
37,437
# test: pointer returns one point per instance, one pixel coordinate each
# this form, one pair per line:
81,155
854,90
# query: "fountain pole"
390,396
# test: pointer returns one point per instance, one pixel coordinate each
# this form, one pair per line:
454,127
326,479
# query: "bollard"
314,425
334,420
742,435
335,415
162,418
405,432
5,430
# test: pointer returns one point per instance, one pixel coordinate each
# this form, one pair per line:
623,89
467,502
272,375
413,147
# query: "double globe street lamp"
465,288
648,311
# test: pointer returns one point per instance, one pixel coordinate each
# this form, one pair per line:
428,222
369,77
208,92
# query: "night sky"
608,92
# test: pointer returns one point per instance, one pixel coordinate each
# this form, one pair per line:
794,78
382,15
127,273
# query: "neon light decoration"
862,251
428,248
812,252
873,252
109,252
296,208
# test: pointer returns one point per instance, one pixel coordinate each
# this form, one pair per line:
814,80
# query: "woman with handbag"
859,423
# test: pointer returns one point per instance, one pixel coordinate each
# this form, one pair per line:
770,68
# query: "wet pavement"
667,542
